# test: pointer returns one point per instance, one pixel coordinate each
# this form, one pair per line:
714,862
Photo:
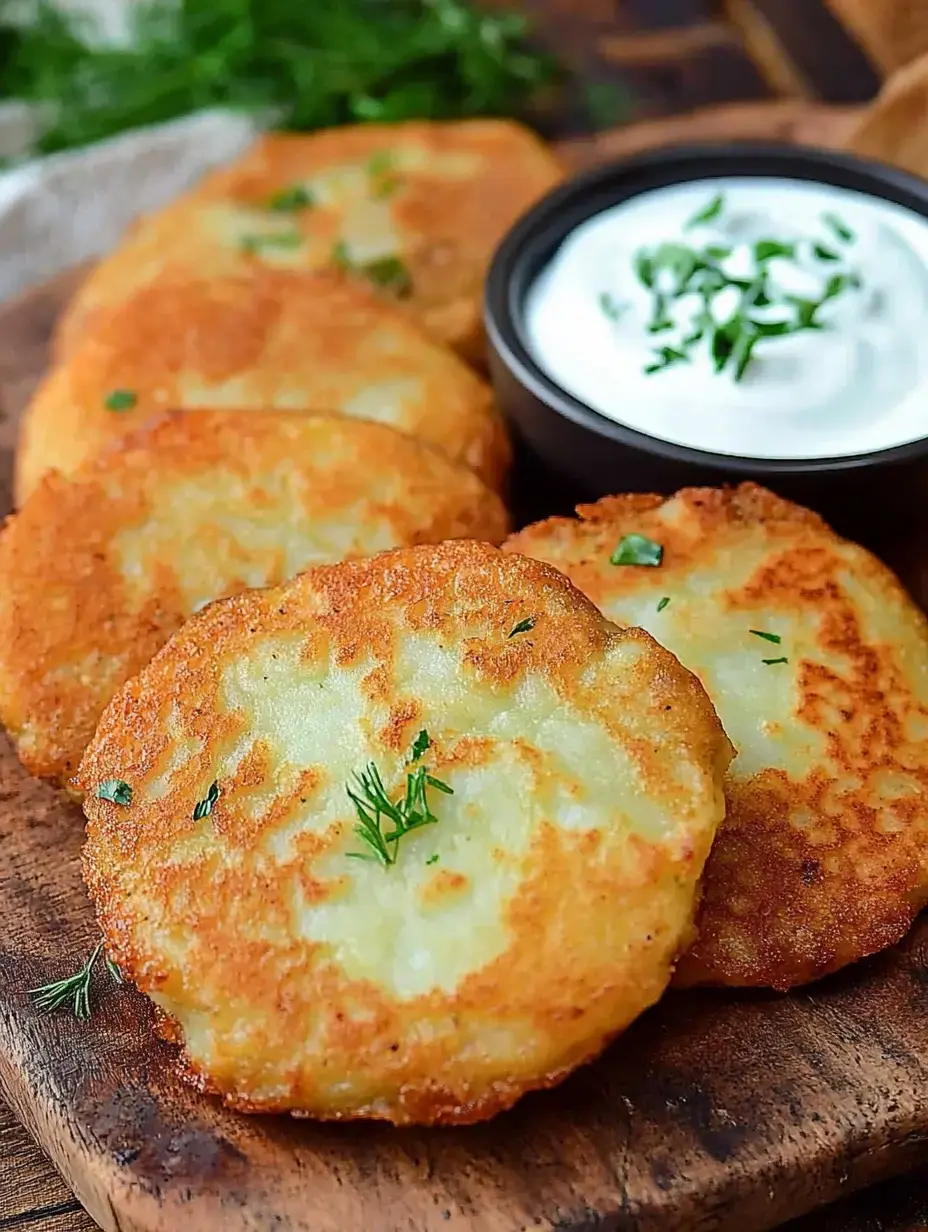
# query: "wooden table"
645,60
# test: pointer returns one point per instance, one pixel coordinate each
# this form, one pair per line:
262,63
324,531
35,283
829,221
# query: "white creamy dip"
860,383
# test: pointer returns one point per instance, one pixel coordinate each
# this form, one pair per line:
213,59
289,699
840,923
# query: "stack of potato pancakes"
388,820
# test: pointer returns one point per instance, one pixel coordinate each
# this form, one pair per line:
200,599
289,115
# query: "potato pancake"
405,837
817,661
414,209
98,570
313,343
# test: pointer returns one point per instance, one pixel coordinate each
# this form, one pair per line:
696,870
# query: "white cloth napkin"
58,211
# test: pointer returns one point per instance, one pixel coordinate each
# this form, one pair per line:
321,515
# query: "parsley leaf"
524,626
121,400
839,227
116,790
204,807
637,550
768,637
289,200
708,213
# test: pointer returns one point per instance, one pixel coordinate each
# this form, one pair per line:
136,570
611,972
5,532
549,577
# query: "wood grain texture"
30,1188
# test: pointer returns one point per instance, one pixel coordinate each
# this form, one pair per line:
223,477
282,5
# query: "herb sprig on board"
73,992
304,65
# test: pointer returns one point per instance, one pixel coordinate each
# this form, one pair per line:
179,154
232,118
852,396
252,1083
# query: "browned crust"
449,220
564,981
810,870
297,342
73,628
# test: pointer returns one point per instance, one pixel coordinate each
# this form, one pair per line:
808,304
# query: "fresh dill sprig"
374,807
303,66
670,271
73,992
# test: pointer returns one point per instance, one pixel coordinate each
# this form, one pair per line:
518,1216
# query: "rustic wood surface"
717,1112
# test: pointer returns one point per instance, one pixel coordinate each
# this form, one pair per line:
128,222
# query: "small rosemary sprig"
373,806
73,992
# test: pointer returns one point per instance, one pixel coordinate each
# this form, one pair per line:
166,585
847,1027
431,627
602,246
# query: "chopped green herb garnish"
254,244
825,254
116,790
610,307
766,250
340,255
373,806
665,358
663,603
768,637
660,321
772,662
839,227
289,200
644,268
708,212
432,859
115,973
524,626
389,273
637,550
671,271
121,400
73,992
204,807
420,745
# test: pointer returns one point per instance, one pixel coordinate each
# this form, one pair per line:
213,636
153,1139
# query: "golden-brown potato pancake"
428,201
823,856
97,571
318,342
537,914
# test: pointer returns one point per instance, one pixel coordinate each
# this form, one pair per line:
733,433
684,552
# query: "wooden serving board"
716,1111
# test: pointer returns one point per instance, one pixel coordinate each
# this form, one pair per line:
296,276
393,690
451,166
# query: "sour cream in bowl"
716,313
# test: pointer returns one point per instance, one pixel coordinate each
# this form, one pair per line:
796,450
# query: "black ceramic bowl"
570,452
